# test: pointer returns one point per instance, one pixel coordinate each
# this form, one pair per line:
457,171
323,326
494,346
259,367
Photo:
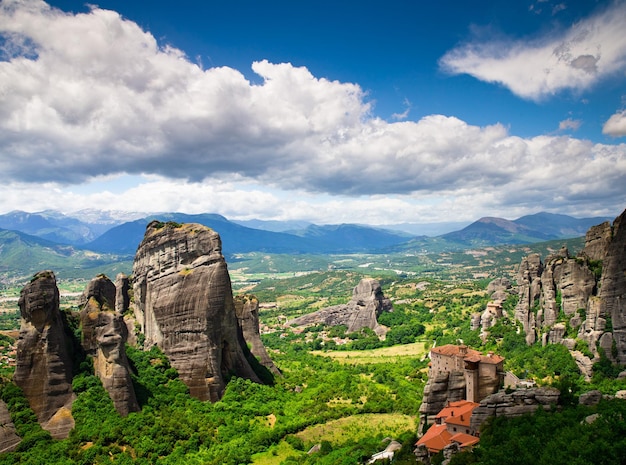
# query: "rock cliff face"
184,304
8,436
613,287
368,301
104,337
529,290
44,362
514,404
122,293
247,310
569,285
439,390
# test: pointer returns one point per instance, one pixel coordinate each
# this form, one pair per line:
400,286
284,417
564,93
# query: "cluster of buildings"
483,376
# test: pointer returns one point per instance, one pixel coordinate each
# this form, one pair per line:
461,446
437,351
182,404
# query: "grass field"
340,431
382,355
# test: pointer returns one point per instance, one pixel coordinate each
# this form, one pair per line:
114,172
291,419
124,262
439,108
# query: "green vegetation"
345,392
568,436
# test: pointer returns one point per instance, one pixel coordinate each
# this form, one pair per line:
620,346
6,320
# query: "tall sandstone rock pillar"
247,309
104,339
184,304
613,287
44,362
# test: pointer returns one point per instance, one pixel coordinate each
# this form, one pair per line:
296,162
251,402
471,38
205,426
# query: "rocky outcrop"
104,336
184,304
597,241
513,404
368,301
247,310
44,355
9,439
569,286
438,391
122,293
613,289
499,288
563,284
529,291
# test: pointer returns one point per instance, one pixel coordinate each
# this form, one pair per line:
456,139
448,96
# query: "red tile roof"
457,413
465,440
436,438
470,355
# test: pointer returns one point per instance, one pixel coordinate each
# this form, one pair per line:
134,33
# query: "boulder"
44,355
104,337
368,301
183,302
590,398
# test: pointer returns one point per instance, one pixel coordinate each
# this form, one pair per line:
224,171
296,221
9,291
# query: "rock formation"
104,337
368,301
514,404
613,289
183,301
438,391
568,286
488,318
597,241
247,310
8,436
44,361
499,289
562,284
122,293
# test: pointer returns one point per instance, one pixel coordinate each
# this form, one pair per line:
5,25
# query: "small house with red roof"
452,425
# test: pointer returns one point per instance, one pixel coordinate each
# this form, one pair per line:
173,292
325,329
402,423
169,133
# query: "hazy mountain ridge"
23,254
527,229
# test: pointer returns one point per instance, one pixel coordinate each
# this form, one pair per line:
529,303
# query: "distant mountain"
236,238
273,225
126,237
54,226
353,238
525,230
560,226
425,229
22,255
492,231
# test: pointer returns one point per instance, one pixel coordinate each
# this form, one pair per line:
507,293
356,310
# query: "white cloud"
569,123
616,125
91,98
575,59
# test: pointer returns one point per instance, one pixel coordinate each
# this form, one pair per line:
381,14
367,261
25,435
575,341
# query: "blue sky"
370,112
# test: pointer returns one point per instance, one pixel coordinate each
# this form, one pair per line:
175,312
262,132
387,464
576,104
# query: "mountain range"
30,242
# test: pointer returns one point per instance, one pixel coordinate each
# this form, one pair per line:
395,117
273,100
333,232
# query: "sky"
370,112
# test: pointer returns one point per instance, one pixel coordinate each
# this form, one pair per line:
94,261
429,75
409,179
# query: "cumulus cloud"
569,123
576,58
85,96
616,125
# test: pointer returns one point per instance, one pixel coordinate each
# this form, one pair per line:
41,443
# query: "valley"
346,393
